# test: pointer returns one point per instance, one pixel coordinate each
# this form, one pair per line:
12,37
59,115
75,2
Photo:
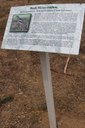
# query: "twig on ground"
66,65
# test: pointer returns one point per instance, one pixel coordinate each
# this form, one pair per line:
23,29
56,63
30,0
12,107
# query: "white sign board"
52,28
83,5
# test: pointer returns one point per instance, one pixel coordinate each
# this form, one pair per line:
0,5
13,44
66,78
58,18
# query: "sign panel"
52,28
83,5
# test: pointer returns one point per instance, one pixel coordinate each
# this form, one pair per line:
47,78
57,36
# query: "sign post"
46,73
50,28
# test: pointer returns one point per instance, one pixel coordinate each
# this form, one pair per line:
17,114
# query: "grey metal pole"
46,73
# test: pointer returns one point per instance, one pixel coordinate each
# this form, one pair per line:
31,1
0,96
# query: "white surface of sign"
54,28
83,5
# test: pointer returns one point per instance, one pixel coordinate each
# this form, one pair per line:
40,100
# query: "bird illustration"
19,19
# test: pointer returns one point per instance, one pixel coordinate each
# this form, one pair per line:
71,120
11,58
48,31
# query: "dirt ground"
21,78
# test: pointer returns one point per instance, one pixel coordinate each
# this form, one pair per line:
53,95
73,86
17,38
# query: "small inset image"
20,23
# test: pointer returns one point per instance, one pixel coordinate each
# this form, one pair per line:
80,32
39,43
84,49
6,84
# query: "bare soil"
21,78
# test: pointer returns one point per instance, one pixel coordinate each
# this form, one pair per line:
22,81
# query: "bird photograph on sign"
20,23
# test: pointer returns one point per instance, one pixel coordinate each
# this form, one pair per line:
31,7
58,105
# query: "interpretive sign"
45,28
48,28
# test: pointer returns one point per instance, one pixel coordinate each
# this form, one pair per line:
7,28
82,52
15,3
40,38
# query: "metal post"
46,73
